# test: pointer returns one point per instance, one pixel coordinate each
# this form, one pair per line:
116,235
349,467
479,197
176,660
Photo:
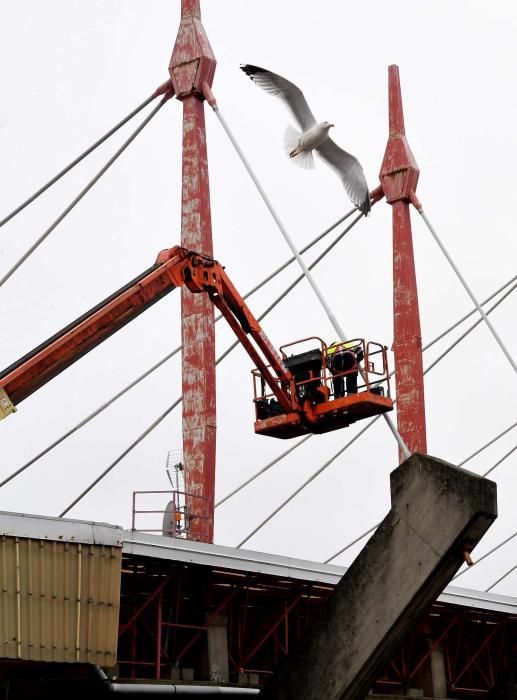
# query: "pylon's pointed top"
191,8
395,102
193,62
399,171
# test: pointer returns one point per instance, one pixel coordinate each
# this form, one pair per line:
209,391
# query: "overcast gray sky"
71,69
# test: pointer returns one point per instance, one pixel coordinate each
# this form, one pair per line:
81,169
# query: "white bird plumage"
313,136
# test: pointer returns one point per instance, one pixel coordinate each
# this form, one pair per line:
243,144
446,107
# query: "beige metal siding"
60,600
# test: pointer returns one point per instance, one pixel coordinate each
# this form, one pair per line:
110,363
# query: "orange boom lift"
293,394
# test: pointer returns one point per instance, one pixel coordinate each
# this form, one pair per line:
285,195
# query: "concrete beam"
437,511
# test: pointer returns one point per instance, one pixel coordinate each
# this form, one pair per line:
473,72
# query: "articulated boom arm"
247,328
173,268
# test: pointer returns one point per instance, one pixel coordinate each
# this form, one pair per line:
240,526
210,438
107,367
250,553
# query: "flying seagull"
313,136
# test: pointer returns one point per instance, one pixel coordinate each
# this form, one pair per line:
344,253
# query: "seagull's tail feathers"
291,143
291,139
304,159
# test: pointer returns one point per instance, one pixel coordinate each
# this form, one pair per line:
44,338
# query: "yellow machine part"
6,405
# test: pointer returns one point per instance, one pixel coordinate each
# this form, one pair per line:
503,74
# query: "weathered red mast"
399,177
193,64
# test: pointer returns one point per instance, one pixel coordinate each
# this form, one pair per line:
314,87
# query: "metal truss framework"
478,647
167,608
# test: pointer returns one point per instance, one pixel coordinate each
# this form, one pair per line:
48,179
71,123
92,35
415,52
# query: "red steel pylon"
192,64
399,177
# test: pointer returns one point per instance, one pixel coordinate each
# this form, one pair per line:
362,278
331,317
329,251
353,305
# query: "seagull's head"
327,125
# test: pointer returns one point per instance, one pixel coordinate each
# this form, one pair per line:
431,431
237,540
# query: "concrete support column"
385,592
438,678
431,678
217,633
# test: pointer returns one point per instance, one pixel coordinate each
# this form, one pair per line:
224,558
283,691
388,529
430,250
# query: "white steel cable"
88,418
510,452
470,313
501,578
307,482
159,91
82,193
262,471
351,544
491,551
468,290
470,328
302,250
491,442
136,442
333,320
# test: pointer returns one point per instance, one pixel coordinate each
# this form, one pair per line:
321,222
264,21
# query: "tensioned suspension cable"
501,578
467,289
84,191
491,442
155,423
159,91
307,482
301,251
263,470
90,417
351,544
121,456
494,549
333,320
491,551
108,403
503,458
298,279
470,313
471,328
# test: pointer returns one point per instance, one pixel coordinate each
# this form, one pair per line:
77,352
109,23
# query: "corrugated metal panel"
60,600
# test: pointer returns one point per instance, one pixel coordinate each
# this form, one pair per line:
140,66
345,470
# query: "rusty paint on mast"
399,178
193,64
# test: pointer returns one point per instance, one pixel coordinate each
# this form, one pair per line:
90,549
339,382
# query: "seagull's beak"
330,125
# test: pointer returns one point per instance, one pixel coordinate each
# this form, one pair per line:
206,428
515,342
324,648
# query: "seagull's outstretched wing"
350,172
286,91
